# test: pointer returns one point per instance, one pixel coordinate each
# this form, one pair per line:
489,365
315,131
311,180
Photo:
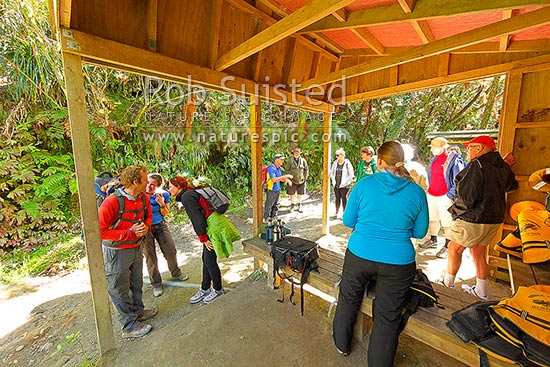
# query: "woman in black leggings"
342,176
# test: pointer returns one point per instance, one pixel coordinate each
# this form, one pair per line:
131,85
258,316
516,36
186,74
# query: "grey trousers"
271,207
124,270
161,233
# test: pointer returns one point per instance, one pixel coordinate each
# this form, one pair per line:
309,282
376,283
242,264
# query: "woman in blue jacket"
385,210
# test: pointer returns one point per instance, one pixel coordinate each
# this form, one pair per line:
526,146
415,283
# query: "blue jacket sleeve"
422,221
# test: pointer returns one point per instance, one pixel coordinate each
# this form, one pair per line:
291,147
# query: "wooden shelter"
312,55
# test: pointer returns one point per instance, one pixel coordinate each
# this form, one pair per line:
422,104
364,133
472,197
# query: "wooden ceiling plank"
504,41
424,10
215,25
287,26
512,25
65,13
370,40
407,5
315,63
152,24
120,56
423,30
268,20
461,77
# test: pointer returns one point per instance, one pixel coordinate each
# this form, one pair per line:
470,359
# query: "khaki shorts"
469,234
437,208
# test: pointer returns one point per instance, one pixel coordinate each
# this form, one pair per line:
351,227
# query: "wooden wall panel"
418,70
235,28
532,150
534,103
303,57
181,36
272,62
103,18
464,62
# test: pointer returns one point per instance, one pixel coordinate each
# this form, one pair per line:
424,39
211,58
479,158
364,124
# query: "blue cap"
278,155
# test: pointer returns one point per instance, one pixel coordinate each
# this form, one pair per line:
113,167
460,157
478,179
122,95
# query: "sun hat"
439,142
297,149
482,140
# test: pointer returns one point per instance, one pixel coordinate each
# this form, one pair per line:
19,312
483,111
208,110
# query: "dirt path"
245,327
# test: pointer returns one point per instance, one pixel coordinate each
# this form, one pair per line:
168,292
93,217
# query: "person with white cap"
444,167
478,209
274,177
298,168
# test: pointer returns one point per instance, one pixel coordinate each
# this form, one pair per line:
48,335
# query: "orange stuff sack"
534,226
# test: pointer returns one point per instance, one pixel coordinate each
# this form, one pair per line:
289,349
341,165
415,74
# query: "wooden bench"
426,324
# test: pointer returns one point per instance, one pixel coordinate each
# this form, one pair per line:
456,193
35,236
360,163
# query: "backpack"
121,210
219,201
298,254
264,177
103,178
421,293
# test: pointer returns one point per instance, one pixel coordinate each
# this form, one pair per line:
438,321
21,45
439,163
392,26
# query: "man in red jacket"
124,219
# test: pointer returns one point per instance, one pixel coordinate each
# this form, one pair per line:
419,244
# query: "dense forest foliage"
131,124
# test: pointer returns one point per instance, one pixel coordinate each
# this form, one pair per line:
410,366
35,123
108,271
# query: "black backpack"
219,201
298,254
421,293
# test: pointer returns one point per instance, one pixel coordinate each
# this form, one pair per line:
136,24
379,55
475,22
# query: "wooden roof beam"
370,40
423,10
287,26
508,26
505,40
407,5
423,30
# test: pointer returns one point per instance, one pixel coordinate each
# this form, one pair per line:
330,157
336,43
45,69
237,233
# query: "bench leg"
363,324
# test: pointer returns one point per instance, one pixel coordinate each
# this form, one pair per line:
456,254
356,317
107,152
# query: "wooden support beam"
54,25
152,24
76,101
64,8
510,110
327,132
526,65
301,18
505,40
423,30
423,10
256,162
341,15
364,35
407,5
100,51
515,24
215,23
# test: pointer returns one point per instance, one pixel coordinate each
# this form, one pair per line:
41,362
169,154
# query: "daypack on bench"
297,254
421,293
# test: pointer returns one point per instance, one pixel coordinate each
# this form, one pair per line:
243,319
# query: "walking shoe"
428,244
440,281
472,290
299,209
201,293
137,331
181,278
157,291
343,354
148,314
212,296
442,254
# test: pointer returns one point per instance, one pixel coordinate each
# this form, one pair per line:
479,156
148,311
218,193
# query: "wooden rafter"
364,35
423,10
504,41
423,30
268,21
512,25
407,5
287,26
112,54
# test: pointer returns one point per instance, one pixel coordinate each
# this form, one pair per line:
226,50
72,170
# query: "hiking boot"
299,209
148,314
442,254
199,296
181,278
428,244
291,206
137,331
212,296
158,291
472,290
